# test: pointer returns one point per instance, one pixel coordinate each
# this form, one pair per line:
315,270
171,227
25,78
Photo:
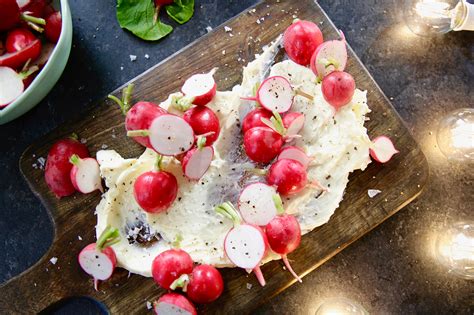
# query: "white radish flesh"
329,56
276,94
296,154
171,135
382,149
96,263
245,246
11,86
201,87
293,123
198,162
85,175
256,204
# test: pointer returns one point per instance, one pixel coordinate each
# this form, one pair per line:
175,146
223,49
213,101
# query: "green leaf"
138,16
181,10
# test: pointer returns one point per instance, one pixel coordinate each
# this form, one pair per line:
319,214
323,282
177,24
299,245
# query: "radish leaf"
138,16
181,10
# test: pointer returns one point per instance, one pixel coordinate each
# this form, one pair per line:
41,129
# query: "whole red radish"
35,8
203,285
12,84
338,88
245,244
19,39
98,259
156,190
2,48
173,304
289,176
203,121
293,123
201,88
262,144
58,168
284,236
300,41
254,118
18,59
10,16
52,29
196,161
85,174
169,266
382,149
138,116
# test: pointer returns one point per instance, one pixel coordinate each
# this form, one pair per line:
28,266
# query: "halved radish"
168,134
98,259
196,161
295,153
276,94
174,304
11,86
85,174
382,149
293,122
200,88
257,203
329,56
245,244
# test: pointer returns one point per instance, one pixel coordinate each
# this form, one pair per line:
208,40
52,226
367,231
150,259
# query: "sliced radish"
295,153
293,122
197,161
85,174
276,94
98,259
11,86
257,205
245,244
382,149
201,88
174,304
329,56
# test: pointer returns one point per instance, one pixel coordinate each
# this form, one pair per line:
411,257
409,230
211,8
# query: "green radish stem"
108,237
74,159
181,102
304,94
181,282
228,210
158,161
201,142
278,204
138,133
124,103
275,123
33,22
74,136
177,241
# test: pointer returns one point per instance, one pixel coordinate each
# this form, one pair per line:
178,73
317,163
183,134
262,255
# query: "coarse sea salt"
133,57
53,260
148,305
373,192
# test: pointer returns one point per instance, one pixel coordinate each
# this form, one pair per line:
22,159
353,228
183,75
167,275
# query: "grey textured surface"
391,270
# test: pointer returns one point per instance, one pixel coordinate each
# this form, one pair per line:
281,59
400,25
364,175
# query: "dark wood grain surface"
402,179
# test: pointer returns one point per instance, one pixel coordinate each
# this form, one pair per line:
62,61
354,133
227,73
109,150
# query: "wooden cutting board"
400,180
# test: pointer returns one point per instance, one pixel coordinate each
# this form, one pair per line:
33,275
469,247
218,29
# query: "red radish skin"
35,8
52,29
289,176
293,123
85,174
257,205
98,259
338,88
9,14
284,236
262,144
17,59
245,244
297,154
169,266
382,149
200,88
174,304
197,161
58,168
329,56
300,41
163,2
203,285
254,119
203,120
18,39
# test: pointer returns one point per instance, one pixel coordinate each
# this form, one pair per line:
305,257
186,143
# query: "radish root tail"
259,275
288,266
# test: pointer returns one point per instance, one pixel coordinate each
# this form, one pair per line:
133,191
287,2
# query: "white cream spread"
338,142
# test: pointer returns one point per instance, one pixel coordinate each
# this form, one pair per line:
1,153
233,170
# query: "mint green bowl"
49,75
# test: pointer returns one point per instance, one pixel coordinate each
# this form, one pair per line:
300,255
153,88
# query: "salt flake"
147,56
208,29
53,260
227,29
249,286
148,305
373,192
133,57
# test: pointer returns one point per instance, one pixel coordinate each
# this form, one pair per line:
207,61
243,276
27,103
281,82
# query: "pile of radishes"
29,30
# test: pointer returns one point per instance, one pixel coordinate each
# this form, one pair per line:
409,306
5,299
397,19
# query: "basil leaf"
181,10
138,16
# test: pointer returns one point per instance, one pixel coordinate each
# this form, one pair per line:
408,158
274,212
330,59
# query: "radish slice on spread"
295,153
98,259
382,149
85,174
293,122
256,203
201,88
245,244
11,86
329,56
174,304
197,161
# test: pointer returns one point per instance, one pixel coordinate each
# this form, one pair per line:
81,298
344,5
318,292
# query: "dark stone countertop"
390,270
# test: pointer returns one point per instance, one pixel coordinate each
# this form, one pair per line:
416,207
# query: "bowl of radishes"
35,42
